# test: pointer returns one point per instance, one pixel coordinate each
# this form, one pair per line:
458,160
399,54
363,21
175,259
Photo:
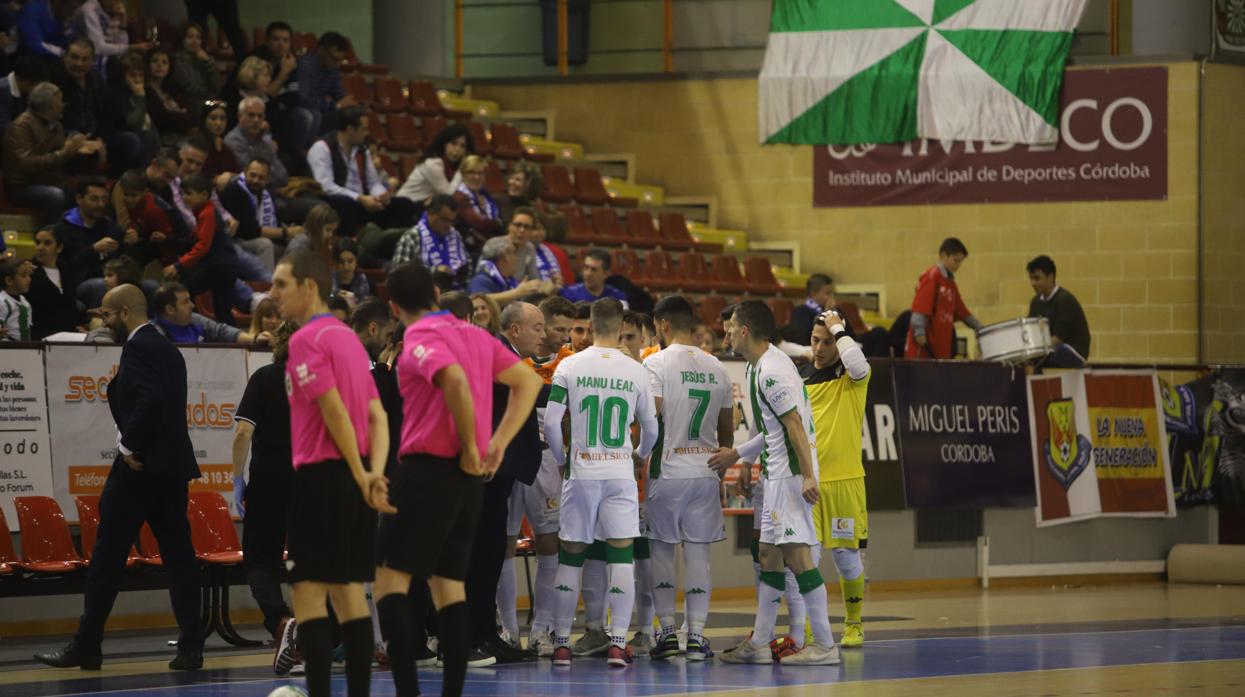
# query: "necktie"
361,162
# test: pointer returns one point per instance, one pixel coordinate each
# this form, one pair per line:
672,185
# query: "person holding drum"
938,306
1068,327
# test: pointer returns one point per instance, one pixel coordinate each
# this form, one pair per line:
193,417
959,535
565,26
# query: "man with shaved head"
149,483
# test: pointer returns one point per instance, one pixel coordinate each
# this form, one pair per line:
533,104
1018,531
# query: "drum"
1017,341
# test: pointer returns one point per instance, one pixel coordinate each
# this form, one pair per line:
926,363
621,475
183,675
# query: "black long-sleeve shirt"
1067,319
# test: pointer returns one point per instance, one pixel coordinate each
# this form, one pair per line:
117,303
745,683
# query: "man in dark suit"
522,330
149,482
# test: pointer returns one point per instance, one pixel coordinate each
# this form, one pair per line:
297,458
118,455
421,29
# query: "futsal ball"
288,691
782,647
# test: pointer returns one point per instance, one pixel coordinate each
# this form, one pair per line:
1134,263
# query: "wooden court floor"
1153,639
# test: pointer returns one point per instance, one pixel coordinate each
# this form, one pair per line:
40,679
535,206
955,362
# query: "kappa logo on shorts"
790,532
843,528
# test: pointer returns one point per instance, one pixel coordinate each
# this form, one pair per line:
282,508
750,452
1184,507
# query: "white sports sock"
546,575
768,601
644,596
698,586
621,600
664,580
819,613
594,594
506,600
566,585
796,613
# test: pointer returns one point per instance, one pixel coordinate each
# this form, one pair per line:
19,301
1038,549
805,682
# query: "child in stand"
211,263
15,314
348,281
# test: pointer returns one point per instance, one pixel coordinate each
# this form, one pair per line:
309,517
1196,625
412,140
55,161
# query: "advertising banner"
964,435
879,439
25,455
1112,146
1099,446
84,435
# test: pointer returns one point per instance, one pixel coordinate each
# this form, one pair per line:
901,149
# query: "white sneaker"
813,654
298,669
541,643
747,652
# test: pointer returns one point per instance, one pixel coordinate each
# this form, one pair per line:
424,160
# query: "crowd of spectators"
153,161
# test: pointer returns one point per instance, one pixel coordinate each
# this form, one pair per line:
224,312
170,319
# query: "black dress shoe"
187,660
72,656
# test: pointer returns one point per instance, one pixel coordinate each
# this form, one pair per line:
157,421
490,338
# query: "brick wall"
1132,264
1223,215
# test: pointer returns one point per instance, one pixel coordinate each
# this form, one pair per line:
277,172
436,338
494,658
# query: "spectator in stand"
212,261
251,139
37,154
16,316
43,26
319,77
118,114
296,125
226,14
195,77
277,51
103,23
125,101
265,318
523,187
259,231
120,271
593,287
252,80
524,224
339,308
485,314
495,274
263,434
319,229
548,267
937,306
479,218
55,309
175,315
171,117
1069,330
15,87
149,221
90,238
348,281
341,165
439,172
220,158
434,241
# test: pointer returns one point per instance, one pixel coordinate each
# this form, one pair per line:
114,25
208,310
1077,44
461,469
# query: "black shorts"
331,528
438,509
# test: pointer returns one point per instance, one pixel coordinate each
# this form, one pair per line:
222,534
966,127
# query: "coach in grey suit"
149,482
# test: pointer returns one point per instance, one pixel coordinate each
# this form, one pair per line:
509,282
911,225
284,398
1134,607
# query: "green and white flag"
886,71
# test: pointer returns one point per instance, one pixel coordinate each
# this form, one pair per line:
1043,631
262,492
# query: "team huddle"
613,418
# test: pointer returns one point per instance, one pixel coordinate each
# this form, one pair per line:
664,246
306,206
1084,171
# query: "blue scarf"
435,250
189,334
265,209
546,263
482,202
490,269
814,306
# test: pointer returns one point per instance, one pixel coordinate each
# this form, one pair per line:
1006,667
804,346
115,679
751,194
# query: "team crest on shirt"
1066,451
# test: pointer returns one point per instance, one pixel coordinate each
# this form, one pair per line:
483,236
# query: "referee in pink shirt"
447,451
336,420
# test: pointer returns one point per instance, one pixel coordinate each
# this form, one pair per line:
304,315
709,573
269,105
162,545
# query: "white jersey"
605,392
774,389
694,389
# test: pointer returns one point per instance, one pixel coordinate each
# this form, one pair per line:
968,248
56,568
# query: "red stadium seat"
726,274
578,227
589,190
433,125
760,275
352,62
404,134
480,143
8,557
660,271
506,143
624,262
641,229
694,273
389,95
781,307
710,311
376,129
674,234
88,528
150,547
47,546
558,186
851,315
494,179
303,42
212,531
424,101
608,229
407,163
355,86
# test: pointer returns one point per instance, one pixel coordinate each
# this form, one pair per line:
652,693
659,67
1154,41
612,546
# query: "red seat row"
659,271
709,310
587,188
387,95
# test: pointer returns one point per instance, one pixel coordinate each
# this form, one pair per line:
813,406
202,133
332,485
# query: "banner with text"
25,455
963,434
84,435
1099,446
879,445
1112,146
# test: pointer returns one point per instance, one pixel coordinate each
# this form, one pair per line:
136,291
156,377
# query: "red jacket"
938,298
204,234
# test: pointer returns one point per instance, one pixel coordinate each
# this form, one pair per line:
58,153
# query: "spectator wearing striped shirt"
15,313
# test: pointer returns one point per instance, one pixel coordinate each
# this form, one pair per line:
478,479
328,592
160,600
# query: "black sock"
357,642
455,623
315,642
395,626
